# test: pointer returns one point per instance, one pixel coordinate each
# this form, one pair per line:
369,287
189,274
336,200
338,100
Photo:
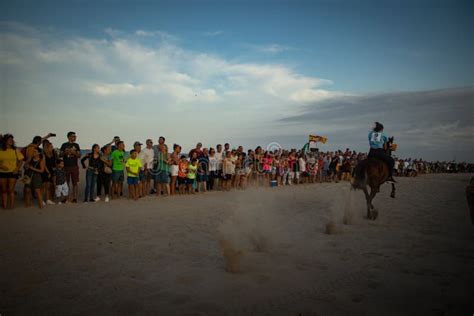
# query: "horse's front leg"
392,194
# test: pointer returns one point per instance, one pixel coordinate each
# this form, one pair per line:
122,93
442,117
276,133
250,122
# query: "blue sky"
240,67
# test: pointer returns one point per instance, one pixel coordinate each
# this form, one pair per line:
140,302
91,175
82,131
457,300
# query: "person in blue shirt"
377,140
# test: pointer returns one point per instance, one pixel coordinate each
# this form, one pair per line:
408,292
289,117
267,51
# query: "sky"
245,72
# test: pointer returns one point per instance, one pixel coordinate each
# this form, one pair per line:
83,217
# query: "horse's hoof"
392,195
375,214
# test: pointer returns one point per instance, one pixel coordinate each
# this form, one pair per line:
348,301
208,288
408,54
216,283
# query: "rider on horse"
377,141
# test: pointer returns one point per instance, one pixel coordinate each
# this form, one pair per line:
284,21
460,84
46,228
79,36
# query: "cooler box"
273,183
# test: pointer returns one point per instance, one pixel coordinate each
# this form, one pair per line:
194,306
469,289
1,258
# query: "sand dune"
166,256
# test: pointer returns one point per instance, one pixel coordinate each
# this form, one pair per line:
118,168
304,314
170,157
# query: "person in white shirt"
302,167
148,155
213,162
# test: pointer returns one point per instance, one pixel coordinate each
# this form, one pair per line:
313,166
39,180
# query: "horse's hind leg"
374,213
367,199
392,194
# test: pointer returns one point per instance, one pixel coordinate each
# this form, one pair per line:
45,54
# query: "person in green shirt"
133,165
117,157
191,175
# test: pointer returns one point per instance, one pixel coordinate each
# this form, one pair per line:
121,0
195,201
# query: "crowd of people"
413,167
51,176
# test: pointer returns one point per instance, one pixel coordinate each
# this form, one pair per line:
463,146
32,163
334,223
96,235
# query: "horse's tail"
359,180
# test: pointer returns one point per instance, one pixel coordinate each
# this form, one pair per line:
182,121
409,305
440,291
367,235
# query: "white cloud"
127,73
270,48
161,34
212,33
115,89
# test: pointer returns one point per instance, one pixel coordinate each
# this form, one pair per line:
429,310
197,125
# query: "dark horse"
372,172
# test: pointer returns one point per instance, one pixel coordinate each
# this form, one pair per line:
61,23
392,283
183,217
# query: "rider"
377,140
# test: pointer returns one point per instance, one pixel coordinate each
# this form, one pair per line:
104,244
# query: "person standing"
162,167
149,155
134,166
182,174
93,167
203,171
105,172
117,170
220,158
174,167
228,170
137,146
60,182
11,160
191,175
47,177
34,168
213,162
71,152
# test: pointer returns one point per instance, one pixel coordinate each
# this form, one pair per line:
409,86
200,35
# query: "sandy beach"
163,256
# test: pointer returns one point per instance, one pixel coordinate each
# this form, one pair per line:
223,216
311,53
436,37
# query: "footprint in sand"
358,298
188,279
29,282
261,279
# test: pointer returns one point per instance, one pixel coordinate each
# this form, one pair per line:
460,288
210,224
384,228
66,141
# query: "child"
62,189
182,174
133,165
245,173
191,176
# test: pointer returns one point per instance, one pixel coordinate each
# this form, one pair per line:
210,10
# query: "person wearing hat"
377,140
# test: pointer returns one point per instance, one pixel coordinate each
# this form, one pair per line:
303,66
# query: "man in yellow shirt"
133,165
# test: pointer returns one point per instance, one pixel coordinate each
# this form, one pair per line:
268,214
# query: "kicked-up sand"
299,250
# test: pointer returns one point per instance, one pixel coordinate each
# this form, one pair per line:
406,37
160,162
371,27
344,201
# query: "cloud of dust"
342,207
253,226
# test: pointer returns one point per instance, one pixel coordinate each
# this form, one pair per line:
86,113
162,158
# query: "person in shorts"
174,167
228,170
141,176
117,170
71,152
34,168
191,175
61,188
162,167
182,174
133,165
11,161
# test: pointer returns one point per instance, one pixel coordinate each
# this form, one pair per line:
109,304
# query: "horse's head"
388,146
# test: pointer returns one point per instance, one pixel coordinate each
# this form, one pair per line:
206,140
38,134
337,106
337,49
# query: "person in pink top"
267,162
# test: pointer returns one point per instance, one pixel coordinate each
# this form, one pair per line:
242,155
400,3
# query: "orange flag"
315,138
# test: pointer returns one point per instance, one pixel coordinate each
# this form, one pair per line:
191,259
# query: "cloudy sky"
243,72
